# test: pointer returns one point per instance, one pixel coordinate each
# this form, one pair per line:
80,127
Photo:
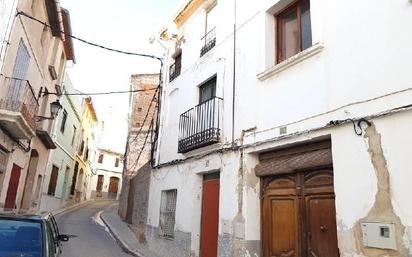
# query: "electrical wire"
20,13
106,93
89,94
89,42
136,162
146,115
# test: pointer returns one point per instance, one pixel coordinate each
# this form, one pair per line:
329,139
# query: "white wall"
355,64
360,65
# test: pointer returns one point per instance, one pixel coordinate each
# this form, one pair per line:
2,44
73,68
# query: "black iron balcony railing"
174,71
200,126
17,95
209,42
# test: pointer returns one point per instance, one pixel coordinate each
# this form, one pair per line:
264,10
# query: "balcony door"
21,66
207,90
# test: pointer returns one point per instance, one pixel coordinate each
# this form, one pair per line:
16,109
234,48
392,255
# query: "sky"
120,24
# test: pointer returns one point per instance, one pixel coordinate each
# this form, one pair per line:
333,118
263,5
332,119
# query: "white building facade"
288,137
107,182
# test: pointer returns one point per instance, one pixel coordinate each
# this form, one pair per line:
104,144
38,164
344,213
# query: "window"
20,237
212,18
167,213
174,70
3,161
51,239
81,148
86,149
207,91
86,156
294,32
64,119
139,109
100,158
116,164
21,64
74,134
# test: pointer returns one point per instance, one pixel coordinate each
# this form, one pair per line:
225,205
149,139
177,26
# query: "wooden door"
319,202
99,183
210,218
13,186
280,218
99,186
298,215
74,179
53,180
113,185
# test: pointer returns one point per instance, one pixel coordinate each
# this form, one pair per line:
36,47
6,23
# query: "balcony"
42,132
200,126
209,42
174,71
18,108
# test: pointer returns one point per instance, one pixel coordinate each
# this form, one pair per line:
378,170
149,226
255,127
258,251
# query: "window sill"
311,51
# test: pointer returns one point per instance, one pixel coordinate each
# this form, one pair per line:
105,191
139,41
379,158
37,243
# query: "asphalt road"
88,235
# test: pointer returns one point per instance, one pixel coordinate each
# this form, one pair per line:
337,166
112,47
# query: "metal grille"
3,161
167,213
200,126
209,42
18,96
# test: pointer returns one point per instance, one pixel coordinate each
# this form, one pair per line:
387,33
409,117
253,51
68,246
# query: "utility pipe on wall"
234,74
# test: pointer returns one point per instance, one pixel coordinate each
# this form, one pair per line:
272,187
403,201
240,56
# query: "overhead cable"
89,42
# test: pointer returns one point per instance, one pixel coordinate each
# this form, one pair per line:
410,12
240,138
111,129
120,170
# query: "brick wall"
133,202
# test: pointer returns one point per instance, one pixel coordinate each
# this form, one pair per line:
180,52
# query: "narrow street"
88,235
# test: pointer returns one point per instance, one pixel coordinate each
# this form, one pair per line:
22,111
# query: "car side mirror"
64,238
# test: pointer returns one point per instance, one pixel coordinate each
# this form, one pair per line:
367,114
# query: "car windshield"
20,238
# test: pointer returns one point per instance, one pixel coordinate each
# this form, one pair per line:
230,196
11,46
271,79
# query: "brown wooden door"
113,185
298,215
280,218
13,186
74,179
99,183
53,180
319,199
210,218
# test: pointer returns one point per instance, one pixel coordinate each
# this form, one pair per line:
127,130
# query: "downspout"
7,35
162,96
156,130
234,76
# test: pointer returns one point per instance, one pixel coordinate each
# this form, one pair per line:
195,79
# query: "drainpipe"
9,28
234,76
162,96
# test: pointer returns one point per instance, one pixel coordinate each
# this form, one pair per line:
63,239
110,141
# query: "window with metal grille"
167,213
3,161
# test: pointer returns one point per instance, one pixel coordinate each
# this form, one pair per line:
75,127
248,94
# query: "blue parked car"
29,235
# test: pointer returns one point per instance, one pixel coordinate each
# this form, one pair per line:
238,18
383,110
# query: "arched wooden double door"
298,215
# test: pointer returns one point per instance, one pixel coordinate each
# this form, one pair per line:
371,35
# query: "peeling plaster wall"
371,175
187,178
